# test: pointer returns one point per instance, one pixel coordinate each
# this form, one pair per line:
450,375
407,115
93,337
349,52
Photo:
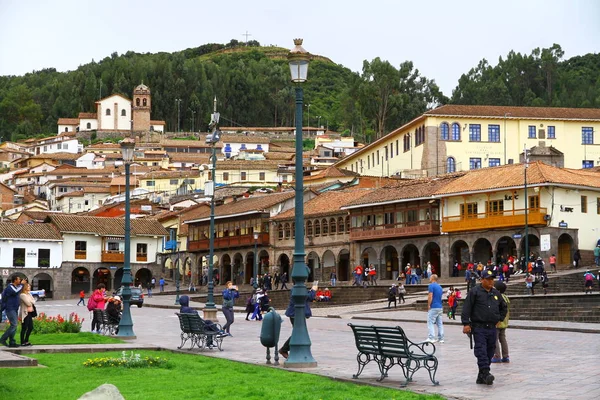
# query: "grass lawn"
67,338
188,377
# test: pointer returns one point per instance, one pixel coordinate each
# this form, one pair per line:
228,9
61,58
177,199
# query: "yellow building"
459,137
172,182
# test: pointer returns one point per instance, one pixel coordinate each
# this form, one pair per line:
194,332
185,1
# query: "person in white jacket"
27,312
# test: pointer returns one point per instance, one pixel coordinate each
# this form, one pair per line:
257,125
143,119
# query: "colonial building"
454,138
116,113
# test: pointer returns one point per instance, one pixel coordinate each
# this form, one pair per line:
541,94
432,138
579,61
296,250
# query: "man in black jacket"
483,308
10,304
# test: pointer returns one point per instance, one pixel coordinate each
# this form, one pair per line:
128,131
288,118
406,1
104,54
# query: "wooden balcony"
406,229
113,256
229,242
503,219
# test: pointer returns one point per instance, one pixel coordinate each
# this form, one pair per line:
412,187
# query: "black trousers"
485,345
286,346
26,328
228,313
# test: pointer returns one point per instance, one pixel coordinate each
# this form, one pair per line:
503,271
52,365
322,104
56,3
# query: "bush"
127,361
43,324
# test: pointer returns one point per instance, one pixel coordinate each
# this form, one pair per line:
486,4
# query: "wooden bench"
389,346
199,332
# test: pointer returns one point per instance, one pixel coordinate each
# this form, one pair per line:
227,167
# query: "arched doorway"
249,263
391,263
245,270
459,252
565,249
80,280
284,265
119,279
410,254
505,247
534,245
102,275
482,251
312,260
167,268
143,275
368,257
328,265
43,281
263,262
343,270
226,263
431,253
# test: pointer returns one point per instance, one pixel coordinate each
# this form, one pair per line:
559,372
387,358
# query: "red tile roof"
327,203
85,115
11,230
68,121
106,226
516,112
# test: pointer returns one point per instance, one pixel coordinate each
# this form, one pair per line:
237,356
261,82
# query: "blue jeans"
333,282
256,314
12,329
434,317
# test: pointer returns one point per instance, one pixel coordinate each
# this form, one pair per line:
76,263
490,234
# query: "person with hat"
113,310
588,277
392,294
482,310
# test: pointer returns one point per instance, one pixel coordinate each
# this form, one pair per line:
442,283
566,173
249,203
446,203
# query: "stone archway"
482,251
391,263
312,260
263,262
566,248
43,281
249,264
410,254
239,265
459,252
237,275
343,268
143,275
168,267
431,253
283,263
327,264
533,244
80,280
102,275
505,247
368,257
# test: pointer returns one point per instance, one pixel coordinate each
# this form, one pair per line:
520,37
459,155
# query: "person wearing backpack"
96,302
588,277
392,293
250,304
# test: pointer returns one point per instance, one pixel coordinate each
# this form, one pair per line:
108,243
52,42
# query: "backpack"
589,277
92,304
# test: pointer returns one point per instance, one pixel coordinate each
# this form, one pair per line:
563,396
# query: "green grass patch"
72,338
188,376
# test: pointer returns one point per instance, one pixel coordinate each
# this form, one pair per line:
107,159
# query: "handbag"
32,312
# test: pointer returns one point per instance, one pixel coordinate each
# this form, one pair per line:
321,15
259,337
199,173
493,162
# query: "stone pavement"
544,364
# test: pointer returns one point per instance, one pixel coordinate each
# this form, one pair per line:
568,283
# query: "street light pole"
255,268
526,159
178,101
210,311
300,354
126,323
177,276
505,115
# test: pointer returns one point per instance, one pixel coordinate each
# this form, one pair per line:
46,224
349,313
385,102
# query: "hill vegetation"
253,88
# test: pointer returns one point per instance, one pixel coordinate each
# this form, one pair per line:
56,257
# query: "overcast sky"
443,38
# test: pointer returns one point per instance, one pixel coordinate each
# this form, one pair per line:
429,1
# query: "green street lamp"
255,269
126,323
300,355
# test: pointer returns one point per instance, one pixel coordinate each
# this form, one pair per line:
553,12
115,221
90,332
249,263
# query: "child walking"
501,355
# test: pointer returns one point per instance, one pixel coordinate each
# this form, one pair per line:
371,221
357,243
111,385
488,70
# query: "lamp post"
193,118
126,323
505,115
300,355
177,276
318,121
210,311
255,268
178,101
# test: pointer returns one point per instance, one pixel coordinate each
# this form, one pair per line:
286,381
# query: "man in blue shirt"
435,310
10,304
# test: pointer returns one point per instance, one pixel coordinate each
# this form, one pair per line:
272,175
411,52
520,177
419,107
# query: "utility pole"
178,101
193,117
526,160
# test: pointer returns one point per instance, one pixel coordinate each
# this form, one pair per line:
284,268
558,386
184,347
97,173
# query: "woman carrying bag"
27,313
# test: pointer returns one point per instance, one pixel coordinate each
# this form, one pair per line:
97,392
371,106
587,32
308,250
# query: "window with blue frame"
444,131
474,133
587,164
494,162
551,132
532,132
587,135
474,163
450,165
493,133
455,131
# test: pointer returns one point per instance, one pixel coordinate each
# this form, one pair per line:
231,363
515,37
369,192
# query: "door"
564,253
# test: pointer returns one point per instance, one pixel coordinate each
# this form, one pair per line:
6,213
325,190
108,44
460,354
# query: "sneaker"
441,341
429,340
496,360
26,344
284,354
506,360
13,344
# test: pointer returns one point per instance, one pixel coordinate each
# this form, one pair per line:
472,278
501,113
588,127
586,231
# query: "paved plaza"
545,364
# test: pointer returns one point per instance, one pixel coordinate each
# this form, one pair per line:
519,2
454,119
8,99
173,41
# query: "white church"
116,113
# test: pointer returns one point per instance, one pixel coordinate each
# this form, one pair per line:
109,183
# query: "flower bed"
43,324
127,361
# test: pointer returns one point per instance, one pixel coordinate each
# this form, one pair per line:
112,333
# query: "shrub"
43,324
127,361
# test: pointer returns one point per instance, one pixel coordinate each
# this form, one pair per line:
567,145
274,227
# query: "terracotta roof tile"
508,176
327,203
157,122
68,121
85,115
106,226
197,158
56,156
332,172
9,230
516,112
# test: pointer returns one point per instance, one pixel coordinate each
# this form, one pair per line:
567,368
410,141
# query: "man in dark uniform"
483,308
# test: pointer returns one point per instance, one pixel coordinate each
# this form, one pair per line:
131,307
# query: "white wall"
94,247
108,121
158,128
235,147
69,128
83,124
86,161
31,252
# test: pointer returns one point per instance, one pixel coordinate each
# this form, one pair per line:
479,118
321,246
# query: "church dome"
141,89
